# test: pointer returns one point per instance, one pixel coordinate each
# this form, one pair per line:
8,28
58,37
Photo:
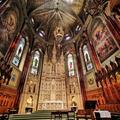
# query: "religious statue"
72,88
30,101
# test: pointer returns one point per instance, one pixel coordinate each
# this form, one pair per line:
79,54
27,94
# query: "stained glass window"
78,28
67,37
35,62
42,33
19,52
71,65
2,1
87,59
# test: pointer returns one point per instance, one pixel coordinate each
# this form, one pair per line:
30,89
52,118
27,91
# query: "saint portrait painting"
103,40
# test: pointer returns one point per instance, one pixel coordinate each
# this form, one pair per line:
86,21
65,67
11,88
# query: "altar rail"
45,115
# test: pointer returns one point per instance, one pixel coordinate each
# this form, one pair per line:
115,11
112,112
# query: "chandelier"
58,33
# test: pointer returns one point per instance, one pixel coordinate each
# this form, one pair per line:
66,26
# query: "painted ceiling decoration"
55,13
10,22
53,22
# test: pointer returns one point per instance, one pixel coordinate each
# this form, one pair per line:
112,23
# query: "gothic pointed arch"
19,51
86,57
35,62
70,63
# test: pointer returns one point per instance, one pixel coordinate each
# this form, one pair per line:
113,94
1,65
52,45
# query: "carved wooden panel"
7,98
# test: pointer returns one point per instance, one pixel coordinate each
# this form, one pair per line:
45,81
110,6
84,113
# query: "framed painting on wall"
103,40
8,27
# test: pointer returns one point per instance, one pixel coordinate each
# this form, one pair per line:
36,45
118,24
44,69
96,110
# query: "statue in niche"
34,86
53,84
73,104
30,101
29,89
30,86
53,90
72,88
54,68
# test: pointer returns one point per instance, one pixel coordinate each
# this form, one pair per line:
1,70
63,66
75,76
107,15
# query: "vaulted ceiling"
49,15
56,12
51,21
54,21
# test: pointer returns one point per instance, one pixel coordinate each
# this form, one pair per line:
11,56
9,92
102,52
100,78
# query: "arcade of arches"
55,54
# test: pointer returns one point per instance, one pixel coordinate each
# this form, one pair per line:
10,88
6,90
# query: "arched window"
19,52
35,63
2,1
71,71
87,59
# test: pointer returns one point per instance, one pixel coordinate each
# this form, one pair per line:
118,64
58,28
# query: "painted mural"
8,24
103,40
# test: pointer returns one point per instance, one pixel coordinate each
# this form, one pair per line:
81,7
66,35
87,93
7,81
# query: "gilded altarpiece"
51,89
58,91
52,94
